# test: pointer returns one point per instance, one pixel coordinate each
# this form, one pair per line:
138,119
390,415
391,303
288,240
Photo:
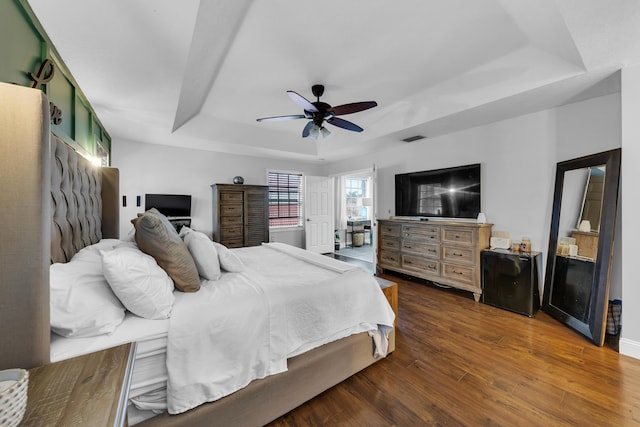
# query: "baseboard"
630,348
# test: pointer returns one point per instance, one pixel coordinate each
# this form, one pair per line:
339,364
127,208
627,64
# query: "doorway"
354,214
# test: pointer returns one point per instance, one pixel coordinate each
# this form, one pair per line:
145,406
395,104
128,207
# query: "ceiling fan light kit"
318,112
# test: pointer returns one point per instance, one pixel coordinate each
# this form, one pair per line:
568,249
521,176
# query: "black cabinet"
510,280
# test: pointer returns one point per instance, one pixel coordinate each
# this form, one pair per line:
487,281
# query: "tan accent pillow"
156,236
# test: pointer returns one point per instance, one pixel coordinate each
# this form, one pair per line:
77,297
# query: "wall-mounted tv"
169,204
440,193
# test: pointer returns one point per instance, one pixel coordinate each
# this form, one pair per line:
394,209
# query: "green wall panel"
21,45
82,122
24,46
61,92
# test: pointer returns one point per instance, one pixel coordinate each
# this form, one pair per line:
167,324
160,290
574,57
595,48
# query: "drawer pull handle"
407,246
432,267
407,262
458,272
431,250
457,254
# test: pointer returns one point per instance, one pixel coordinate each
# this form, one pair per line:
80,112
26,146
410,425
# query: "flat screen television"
169,204
440,193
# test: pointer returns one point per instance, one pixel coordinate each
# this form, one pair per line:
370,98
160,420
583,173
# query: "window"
357,202
285,199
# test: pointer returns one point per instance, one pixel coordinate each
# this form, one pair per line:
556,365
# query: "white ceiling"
197,74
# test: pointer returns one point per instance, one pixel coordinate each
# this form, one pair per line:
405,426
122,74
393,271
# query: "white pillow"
82,303
184,231
92,252
228,260
142,286
203,252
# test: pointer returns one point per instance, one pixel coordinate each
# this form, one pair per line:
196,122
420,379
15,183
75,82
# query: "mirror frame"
595,327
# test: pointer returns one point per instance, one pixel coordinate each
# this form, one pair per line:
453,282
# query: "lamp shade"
314,131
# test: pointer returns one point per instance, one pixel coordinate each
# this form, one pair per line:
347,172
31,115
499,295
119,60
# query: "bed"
42,179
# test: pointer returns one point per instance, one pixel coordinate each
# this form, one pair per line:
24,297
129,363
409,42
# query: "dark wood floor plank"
460,363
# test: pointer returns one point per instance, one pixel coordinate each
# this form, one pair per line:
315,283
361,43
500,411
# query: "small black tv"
440,193
170,205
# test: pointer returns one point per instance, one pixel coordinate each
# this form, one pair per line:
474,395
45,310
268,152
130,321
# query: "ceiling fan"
318,112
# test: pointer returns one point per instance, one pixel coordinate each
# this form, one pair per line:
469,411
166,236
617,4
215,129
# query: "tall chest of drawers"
446,253
240,214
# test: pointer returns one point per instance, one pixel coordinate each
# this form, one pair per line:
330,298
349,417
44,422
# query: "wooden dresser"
446,253
240,214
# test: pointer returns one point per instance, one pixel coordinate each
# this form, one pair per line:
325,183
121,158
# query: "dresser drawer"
391,244
387,230
231,221
231,233
456,235
231,210
420,264
421,234
458,273
429,250
231,196
389,258
422,229
232,243
452,253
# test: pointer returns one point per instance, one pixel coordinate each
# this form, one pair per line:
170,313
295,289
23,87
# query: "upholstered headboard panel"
41,179
76,201
25,227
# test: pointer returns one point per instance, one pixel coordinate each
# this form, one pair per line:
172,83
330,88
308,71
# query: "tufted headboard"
77,205
53,203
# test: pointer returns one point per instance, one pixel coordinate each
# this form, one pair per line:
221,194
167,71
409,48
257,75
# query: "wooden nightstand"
390,290
89,390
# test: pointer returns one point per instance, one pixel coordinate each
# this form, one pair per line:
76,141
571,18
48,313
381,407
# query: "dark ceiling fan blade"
344,124
281,118
307,128
302,101
354,107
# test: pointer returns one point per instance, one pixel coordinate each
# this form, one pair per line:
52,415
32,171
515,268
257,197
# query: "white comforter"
244,326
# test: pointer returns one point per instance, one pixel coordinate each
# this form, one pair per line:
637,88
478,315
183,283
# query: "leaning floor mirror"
585,201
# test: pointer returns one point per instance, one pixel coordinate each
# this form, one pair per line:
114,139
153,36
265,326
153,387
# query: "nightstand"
510,280
390,290
89,390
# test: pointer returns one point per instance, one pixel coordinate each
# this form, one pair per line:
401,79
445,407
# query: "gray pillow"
156,236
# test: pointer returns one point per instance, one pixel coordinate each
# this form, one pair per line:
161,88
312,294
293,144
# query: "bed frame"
54,203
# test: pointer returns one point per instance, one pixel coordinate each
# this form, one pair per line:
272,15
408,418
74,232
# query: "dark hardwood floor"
462,363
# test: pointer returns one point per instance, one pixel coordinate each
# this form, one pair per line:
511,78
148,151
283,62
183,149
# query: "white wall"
149,168
630,340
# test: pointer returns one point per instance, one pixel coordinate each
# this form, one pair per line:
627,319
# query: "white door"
374,216
318,209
